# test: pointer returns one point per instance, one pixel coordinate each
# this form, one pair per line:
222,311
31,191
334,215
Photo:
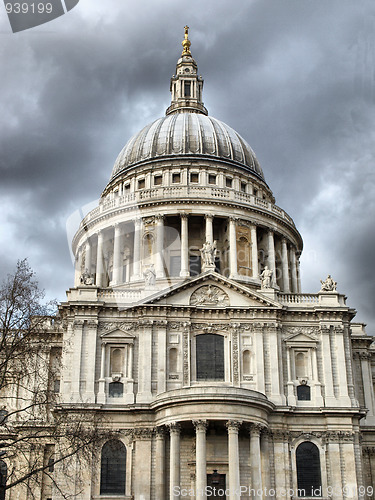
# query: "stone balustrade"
193,192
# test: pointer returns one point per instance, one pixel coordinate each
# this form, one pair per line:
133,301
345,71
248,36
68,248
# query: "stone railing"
190,192
304,299
121,295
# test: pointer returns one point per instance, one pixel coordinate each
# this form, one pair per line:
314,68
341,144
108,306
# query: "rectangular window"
141,184
176,178
56,386
158,180
228,182
194,265
127,188
210,357
211,179
243,187
175,265
194,177
187,89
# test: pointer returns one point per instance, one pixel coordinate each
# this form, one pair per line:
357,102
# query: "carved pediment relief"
209,295
117,336
300,338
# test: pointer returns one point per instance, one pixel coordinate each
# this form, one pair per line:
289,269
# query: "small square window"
243,187
228,182
158,180
211,179
141,184
176,178
56,386
194,177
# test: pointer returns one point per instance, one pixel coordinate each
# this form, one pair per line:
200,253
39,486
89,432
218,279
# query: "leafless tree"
38,438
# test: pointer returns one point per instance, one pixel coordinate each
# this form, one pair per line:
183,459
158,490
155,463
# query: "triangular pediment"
212,290
300,337
117,334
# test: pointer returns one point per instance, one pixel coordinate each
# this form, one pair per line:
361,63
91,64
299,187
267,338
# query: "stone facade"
214,373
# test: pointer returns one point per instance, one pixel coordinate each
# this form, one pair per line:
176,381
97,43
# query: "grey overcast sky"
296,78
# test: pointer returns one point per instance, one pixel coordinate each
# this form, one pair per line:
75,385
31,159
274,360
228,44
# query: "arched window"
173,360
113,468
116,361
210,357
300,365
246,362
3,473
303,393
308,470
243,256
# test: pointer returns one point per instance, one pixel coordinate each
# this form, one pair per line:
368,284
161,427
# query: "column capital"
200,425
159,218
233,219
255,429
233,425
208,216
160,432
184,215
174,428
137,221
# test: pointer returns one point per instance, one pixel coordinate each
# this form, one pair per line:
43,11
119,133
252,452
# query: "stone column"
200,461
233,459
88,255
99,260
162,359
145,362
117,256
77,356
77,270
209,228
184,246
271,256
254,251
159,260
285,264
293,270
174,465
298,273
367,383
255,460
232,248
137,250
265,459
160,464
335,466
329,398
92,327
101,392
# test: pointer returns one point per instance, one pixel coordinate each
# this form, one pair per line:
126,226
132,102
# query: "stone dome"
190,134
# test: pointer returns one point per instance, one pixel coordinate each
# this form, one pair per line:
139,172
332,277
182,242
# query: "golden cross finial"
186,43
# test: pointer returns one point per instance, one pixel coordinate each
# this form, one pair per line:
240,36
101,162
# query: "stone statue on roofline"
87,278
328,285
149,275
208,253
266,277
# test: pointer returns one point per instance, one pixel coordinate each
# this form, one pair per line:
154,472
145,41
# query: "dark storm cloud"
294,77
